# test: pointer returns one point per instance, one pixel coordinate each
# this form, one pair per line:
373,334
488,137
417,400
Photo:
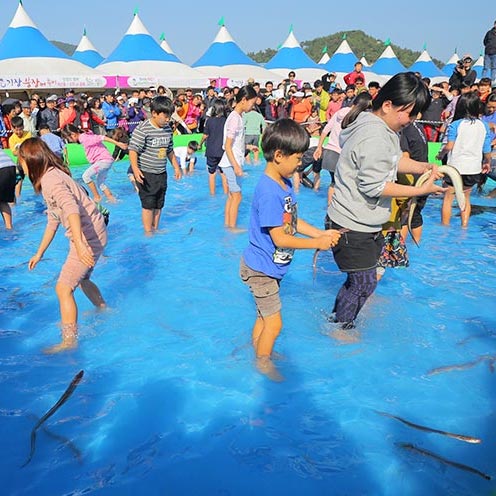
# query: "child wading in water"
150,147
365,182
273,225
67,204
99,158
469,151
231,162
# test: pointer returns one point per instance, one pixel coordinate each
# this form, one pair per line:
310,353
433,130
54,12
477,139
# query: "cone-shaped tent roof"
325,57
140,56
343,59
291,57
451,64
166,47
387,64
225,59
25,54
427,68
479,66
364,62
86,53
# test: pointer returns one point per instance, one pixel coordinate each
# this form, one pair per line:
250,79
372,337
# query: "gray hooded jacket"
369,159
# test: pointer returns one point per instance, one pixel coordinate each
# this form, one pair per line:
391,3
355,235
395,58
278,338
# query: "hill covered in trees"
361,43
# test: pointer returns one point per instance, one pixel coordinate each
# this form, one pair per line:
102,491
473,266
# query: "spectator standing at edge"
490,54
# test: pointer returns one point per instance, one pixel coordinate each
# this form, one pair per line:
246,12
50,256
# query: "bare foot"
67,345
236,230
346,336
111,199
266,367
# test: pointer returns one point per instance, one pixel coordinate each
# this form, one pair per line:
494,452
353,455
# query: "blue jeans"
490,67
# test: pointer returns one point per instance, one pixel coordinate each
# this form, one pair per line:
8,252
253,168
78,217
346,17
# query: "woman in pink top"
67,204
99,158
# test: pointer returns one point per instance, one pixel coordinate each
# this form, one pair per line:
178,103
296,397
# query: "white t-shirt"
183,157
234,128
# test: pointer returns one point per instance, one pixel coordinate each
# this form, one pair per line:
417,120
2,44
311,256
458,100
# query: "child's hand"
123,146
138,175
84,254
328,240
430,186
33,261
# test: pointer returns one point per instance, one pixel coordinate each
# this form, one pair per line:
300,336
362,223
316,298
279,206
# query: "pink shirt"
64,197
94,148
333,127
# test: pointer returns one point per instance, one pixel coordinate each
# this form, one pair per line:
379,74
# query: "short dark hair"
17,121
284,135
161,104
193,145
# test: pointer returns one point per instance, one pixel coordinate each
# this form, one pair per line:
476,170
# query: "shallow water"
171,403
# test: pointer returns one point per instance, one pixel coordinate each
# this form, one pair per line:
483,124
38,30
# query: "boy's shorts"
233,181
469,180
152,191
7,184
265,290
213,164
252,139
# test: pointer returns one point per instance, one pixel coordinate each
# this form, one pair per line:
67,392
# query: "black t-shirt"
414,141
434,110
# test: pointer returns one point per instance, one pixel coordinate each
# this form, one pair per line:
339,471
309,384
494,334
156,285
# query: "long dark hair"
362,102
39,158
246,92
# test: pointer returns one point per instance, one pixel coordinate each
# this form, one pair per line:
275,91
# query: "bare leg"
447,206
147,218
316,181
296,182
6,214
96,195
68,313
468,208
224,183
256,332
156,218
211,183
271,328
18,189
109,195
90,289
232,207
330,192
416,233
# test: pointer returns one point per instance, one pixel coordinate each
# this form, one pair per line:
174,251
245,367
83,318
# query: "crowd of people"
373,141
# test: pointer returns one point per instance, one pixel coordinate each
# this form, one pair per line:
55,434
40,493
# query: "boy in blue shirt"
273,225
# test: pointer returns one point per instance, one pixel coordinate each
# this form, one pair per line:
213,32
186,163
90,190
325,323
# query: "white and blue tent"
478,66
86,53
426,67
167,49
29,60
291,57
364,62
141,58
451,64
225,59
343,59
325,57
387,65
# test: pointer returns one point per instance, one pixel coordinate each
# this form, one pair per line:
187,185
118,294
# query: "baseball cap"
52,98
299,94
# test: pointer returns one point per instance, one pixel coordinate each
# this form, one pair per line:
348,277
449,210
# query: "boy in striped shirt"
150,147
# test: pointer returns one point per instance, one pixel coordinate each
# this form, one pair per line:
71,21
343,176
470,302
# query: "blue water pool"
171,404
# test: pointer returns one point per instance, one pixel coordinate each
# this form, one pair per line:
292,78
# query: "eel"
460,437
65,396
342,230
456,179
462,366
430,454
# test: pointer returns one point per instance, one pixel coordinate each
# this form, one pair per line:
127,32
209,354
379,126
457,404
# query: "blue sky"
257,25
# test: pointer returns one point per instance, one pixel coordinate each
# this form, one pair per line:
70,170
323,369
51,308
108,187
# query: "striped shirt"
153,145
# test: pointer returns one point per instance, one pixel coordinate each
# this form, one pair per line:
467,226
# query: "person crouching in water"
99,158
67,204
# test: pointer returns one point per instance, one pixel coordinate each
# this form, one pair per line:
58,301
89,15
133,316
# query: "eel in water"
456,179
67,394
430,454
463,366
460,437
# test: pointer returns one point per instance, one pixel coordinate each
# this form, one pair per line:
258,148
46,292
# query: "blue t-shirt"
490,119
272,206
